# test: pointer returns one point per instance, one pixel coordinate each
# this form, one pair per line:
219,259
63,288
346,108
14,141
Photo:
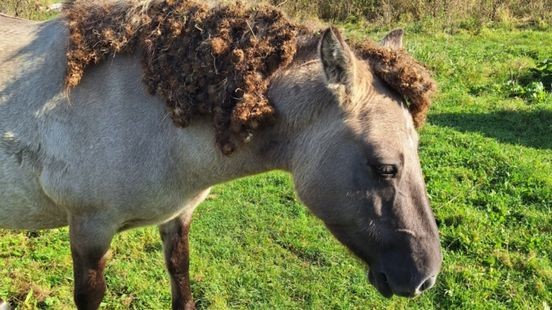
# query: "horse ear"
336,57
393,40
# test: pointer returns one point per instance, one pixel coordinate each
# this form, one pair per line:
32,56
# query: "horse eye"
387,171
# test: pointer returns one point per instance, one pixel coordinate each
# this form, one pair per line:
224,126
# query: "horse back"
14,33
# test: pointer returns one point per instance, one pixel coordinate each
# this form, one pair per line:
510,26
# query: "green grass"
487,157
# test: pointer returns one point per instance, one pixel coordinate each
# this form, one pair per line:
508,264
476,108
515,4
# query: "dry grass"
30,9
448,11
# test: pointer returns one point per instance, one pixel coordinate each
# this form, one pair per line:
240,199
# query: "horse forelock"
402,73
396,67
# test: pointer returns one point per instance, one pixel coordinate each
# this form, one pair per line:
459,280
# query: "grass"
446,13
487,157
30,9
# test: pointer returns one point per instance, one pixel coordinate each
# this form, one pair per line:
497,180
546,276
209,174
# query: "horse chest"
23,204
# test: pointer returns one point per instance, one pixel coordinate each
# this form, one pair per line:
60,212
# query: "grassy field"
487,156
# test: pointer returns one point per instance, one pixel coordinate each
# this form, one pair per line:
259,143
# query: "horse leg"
177,258
90,242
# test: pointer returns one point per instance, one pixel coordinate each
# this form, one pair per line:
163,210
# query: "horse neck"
300,98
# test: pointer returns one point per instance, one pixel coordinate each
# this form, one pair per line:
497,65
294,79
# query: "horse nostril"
427,284
383,277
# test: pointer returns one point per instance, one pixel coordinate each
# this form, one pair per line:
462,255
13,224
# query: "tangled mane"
404,74
200,60
214,61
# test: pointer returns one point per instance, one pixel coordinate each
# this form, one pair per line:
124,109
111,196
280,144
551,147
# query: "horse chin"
380,283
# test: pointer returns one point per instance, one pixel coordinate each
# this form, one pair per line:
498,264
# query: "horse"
104,157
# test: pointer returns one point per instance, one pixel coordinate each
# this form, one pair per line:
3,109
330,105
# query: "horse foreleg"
177,258
90,242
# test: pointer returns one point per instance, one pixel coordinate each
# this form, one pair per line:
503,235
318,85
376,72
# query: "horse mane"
200,60
214,61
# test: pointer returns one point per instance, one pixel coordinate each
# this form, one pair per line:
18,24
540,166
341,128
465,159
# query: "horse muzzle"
411,289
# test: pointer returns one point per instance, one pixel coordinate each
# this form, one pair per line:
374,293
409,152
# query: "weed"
535,85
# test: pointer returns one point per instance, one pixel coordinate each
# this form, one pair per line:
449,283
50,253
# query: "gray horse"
105,157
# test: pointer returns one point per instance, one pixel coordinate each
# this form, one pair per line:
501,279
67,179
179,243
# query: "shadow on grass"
532,129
